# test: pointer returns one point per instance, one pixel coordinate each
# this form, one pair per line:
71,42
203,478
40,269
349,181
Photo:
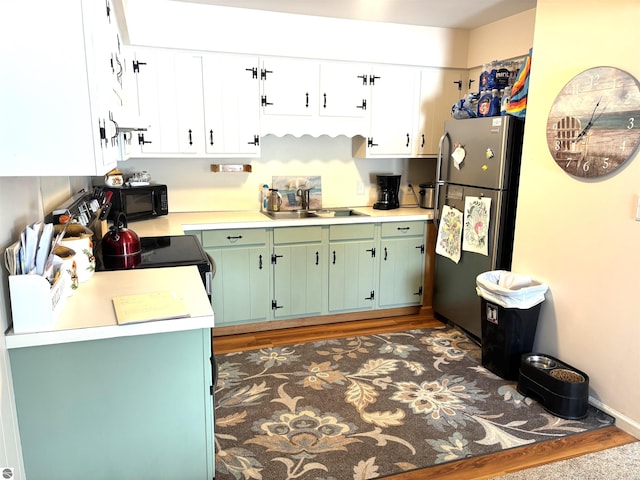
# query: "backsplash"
193,187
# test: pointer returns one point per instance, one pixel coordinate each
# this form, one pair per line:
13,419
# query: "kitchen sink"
339,212
290,214
324,213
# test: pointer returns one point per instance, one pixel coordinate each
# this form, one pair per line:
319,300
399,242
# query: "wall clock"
594,123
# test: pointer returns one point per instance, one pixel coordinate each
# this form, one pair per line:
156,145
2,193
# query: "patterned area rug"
370,406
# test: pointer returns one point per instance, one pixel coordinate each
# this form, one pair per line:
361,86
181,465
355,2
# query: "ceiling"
464,14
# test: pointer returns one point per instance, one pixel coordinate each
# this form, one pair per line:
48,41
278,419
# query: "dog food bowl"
562,389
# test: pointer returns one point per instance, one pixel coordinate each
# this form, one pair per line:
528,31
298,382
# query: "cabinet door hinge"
370,142
274,305
141,140
263,73
365,79
102,131
372,251
256,141
136,66
263,101
372,295
254,72
363,106
421,248
372,79
419,292
274,258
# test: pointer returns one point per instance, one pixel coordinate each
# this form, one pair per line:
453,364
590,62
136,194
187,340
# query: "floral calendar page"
450,233
476,225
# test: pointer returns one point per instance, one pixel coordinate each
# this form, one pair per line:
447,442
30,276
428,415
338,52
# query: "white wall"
24,200
580,236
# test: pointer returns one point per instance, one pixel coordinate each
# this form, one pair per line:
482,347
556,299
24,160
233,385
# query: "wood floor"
477,468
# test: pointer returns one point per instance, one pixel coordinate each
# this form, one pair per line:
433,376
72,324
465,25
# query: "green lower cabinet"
240,292
298,263
351,282
290,272
401,264
297,274
134,408
401,272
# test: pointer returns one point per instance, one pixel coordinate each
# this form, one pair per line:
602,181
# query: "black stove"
169,251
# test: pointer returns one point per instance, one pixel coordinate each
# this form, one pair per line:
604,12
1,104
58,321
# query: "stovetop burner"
164,251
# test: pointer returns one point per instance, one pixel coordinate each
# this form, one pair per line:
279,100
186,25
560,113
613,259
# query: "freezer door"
489,145
454,296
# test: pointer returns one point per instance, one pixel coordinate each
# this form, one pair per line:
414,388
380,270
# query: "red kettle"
121,246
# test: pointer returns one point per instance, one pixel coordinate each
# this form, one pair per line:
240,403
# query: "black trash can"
510,306
507,333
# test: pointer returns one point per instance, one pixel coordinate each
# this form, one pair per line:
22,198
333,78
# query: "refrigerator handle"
439,181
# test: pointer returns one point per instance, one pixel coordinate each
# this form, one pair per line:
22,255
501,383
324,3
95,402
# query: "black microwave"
139,202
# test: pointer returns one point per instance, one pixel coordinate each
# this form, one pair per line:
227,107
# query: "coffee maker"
388,192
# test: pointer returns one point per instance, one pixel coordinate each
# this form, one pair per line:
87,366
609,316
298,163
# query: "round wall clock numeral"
594,123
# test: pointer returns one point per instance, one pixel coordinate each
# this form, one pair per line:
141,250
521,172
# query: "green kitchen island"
99,400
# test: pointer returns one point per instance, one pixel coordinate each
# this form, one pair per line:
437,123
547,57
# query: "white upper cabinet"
344,90
57,96
289,87
310,97
169,91
393,112
231,98
440,89
196,105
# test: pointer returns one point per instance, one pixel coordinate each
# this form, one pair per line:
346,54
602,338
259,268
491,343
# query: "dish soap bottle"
264,195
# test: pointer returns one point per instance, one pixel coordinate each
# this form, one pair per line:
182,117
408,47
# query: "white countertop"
89,314
177,223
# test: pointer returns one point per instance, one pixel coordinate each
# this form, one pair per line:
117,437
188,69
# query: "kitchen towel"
450,233
477,215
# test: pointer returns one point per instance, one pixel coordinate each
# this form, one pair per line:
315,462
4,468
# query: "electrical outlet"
637,207
360,188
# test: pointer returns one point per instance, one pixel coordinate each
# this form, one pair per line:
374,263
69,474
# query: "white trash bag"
510,290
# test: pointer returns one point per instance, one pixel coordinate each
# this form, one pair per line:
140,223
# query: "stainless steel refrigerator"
491,149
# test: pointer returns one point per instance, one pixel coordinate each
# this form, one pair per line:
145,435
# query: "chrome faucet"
304,195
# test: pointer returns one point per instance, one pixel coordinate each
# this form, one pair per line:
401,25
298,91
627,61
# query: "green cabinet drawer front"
236,237
351,232
297,235
402,229
124,408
